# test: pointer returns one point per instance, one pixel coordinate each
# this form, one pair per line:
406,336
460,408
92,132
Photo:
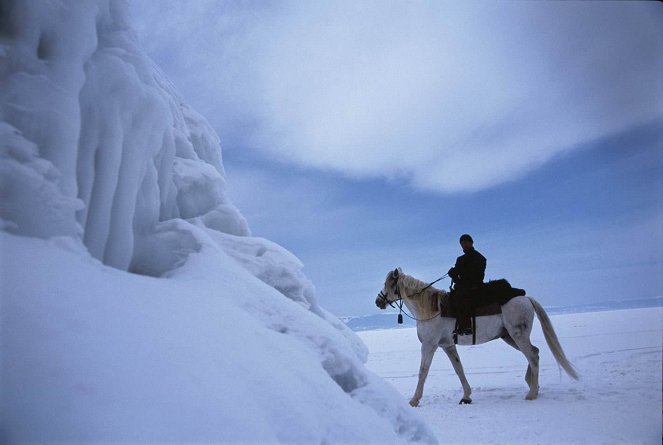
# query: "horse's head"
389,292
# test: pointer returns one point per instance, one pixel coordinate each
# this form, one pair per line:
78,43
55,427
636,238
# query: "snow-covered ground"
617,400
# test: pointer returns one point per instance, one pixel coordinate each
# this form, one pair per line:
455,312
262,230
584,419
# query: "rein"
400,302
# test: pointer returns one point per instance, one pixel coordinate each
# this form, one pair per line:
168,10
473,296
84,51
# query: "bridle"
399,301
382,296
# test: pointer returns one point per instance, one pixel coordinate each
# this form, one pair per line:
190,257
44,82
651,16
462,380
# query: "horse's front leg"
427,353
454,358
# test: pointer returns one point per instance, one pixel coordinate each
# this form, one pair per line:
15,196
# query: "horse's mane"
426,302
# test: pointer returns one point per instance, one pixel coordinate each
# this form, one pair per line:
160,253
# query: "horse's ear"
396,272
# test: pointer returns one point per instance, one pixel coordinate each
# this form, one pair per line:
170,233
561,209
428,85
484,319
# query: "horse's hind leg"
519,327
528,376
452,353
532,354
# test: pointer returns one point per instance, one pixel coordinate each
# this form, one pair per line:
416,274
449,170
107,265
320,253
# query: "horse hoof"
530,397
465,401
414,403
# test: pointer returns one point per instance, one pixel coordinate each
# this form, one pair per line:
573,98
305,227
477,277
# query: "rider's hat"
466,237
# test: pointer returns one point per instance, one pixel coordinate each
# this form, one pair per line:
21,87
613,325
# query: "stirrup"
467,331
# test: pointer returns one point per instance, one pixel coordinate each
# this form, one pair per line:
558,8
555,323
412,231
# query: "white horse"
513,326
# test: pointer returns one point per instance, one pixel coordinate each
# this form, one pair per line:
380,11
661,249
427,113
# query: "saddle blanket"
479,311
488,300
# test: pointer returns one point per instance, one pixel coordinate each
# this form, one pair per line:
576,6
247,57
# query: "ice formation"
104,170
117,149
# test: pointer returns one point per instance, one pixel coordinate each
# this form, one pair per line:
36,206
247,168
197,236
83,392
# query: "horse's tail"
551,339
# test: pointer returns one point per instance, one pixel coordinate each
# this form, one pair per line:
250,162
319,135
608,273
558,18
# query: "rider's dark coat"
469,271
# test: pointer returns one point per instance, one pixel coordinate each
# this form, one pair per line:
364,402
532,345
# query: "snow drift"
216,335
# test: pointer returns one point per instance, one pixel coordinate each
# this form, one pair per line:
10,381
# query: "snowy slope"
90,353
216,335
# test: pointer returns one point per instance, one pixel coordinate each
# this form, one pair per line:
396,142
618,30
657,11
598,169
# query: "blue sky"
366,136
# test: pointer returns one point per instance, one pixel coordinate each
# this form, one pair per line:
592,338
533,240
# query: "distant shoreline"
388,320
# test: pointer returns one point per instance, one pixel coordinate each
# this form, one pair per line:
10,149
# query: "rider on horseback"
467,275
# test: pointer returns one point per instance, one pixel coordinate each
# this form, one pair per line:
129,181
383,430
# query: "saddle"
479,311
487,300
483,310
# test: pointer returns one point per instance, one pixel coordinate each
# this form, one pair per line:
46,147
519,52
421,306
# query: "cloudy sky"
368,135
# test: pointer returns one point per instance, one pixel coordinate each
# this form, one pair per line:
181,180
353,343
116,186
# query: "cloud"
449,96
